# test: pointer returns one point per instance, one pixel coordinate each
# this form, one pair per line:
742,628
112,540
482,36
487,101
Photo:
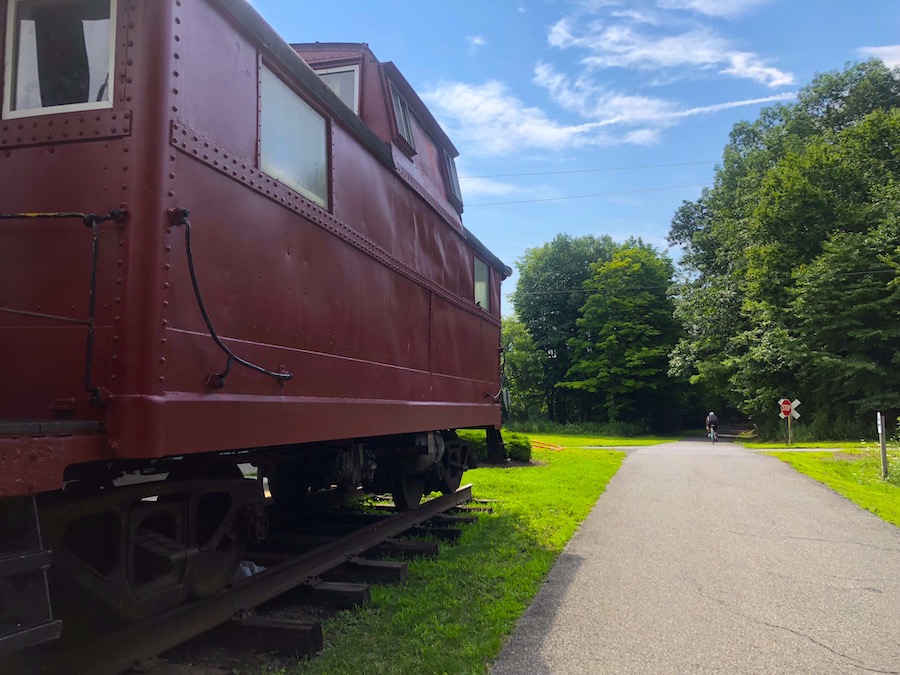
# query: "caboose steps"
25,615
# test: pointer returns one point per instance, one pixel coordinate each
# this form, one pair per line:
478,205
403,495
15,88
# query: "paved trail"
715,559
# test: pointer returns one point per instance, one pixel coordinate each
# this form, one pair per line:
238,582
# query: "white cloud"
474,42
620,45
603,106
890,54
491,121
746,65
477,186
719,8
607,108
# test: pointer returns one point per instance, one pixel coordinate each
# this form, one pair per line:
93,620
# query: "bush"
518,446
545,426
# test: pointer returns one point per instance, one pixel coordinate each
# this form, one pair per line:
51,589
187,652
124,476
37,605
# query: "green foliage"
626,332
607,429
518,447
523,371
792,259
548,298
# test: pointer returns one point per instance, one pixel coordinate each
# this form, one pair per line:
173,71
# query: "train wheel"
290,482
217,530
407,489
453,467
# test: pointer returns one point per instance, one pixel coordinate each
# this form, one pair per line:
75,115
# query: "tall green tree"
548,298
523,369
807,189
626,332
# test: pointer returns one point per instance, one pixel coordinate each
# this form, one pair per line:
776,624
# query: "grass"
849,445
588,441
855,474
455,612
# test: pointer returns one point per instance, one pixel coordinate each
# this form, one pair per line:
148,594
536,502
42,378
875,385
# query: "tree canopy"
791,258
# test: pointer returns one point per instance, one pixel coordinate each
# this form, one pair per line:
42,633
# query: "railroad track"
290,560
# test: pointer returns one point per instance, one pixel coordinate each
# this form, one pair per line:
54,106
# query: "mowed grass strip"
455,612
855,474
579,441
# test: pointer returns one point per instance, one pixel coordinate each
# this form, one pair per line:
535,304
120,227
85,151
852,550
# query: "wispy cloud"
474,186
718,8
491,121
656,39
475,42
621,45
890,54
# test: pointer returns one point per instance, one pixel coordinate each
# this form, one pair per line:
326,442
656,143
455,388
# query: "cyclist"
712,425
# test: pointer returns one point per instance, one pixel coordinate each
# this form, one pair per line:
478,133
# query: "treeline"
789,284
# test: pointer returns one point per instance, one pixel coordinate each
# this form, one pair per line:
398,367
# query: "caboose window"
293,140
343,81
59,56
452,177
482,285
404,121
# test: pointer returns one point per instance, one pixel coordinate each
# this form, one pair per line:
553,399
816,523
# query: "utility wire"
675,283
568,171
599,194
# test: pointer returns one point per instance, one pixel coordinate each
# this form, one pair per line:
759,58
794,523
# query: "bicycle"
713,434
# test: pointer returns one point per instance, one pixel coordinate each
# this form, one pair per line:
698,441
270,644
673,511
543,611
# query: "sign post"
788,409
879,418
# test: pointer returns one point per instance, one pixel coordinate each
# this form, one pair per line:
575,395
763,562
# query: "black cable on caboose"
91,220
216,380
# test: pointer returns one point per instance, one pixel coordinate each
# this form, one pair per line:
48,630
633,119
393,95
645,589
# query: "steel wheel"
217,531
407,489
290,482
452,467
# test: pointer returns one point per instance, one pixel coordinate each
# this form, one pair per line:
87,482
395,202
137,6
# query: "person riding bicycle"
712,424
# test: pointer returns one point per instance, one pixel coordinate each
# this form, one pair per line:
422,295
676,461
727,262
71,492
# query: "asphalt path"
702,558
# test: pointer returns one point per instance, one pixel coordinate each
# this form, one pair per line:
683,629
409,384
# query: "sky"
594,117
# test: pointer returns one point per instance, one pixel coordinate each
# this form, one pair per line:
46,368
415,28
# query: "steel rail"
117,651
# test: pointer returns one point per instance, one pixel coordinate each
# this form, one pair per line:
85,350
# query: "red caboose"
213,254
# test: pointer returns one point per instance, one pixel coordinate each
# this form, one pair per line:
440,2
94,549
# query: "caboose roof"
347,50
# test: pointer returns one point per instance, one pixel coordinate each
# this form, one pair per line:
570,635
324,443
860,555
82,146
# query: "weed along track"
319,560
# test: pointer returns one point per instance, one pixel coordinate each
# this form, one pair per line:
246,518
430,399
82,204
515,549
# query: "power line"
614,168
675,283
599,194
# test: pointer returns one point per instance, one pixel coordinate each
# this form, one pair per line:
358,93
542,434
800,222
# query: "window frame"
10,45
354,67
451,178
402,121
306,193
487,294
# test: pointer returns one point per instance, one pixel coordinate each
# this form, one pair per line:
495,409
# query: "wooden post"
883,441
790,432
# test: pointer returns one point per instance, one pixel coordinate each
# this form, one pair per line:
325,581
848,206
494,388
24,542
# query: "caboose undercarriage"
130,539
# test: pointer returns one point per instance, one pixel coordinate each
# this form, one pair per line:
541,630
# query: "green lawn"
455,612
572,441
855,474
843,445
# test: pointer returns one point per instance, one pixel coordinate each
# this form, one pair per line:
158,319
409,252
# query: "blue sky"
594,116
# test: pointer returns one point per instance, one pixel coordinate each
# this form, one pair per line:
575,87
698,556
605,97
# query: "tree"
626,332
548,297
523,369
806,191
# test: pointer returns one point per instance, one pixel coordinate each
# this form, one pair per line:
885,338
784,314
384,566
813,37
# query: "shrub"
518,446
